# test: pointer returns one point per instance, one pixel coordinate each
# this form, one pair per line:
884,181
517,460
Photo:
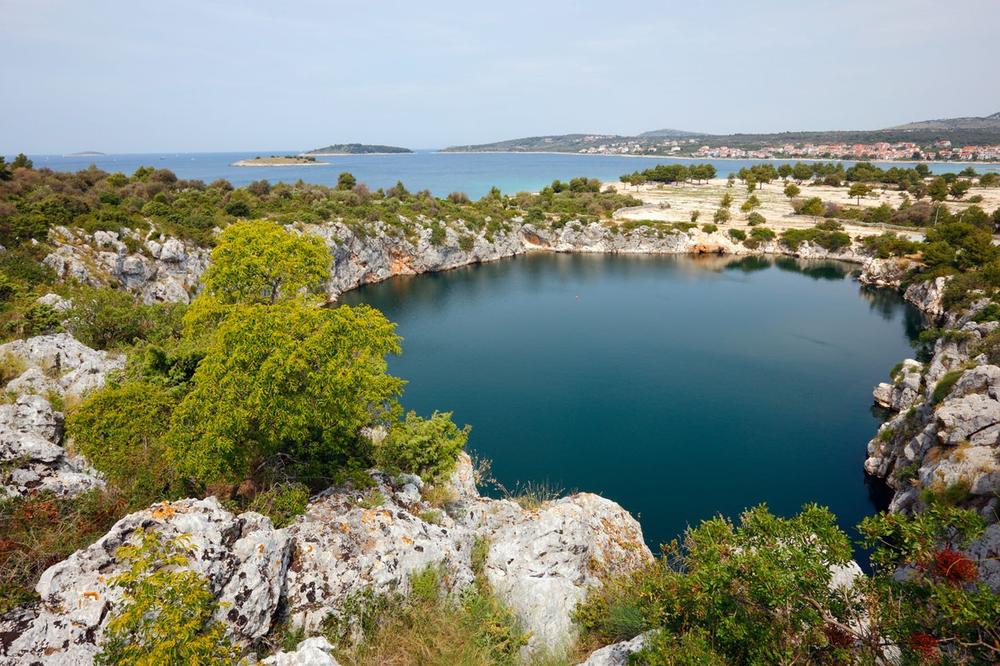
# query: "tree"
695,214
750,204
792,190
4,171
938,189
726,201
959,188
426,447
859,190
989,179
785,171
802,172
346,181
21,161
260,262
721,216
285,389
166,614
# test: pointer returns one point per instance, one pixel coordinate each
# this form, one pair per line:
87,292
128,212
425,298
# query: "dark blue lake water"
677,386
441,173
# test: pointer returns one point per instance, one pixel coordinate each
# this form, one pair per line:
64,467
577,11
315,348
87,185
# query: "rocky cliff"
540,562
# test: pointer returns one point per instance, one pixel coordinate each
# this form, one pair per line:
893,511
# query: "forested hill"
356,149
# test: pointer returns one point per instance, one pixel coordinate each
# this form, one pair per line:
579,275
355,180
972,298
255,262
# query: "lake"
441,173
680,387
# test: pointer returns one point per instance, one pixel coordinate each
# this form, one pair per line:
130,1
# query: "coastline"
713,159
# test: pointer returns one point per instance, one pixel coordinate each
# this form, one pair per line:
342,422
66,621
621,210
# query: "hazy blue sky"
203,75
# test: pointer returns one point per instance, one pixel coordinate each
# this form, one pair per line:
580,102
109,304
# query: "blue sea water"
441,173
680,387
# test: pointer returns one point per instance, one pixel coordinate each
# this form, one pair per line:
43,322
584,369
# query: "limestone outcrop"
158,268
949,442
32,456
540,562
243,558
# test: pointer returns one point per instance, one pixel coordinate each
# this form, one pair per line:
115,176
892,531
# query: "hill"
356,149
967,131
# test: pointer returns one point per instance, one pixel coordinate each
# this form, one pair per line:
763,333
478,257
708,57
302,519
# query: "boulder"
31,455
617,654
310,652
60,362
904,392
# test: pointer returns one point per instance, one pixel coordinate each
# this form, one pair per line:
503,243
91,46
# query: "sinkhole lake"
680,387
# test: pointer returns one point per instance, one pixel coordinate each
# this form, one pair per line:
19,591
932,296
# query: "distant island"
951,139
279,160
85,153
357,149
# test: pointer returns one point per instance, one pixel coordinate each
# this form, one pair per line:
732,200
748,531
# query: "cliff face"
164,269
539,562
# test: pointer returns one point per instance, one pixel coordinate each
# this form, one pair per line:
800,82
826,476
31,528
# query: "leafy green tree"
991,179
285,389
4,170
859,190
726,201
812,206
792,190
166,613
346,181
260,262
721,216
785,171
802,172
695,214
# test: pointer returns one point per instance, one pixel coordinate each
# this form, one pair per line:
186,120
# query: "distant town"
881,150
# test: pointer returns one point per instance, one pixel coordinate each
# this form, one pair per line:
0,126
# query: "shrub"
709,228
41,530
282,503
108,318
944,386
889,245
166,612
748,590
119,429
812,206
737,235
426,447
755,218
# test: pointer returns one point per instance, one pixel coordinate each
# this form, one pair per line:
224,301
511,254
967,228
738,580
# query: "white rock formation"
243,558
310,652
59,362
616,654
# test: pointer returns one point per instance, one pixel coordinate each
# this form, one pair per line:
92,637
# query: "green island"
279,160
244,481
358,149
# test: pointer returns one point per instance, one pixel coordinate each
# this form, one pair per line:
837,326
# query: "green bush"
889,245
709,228
119,429
738,235
755,218
166,614
282,503
426,447
109,319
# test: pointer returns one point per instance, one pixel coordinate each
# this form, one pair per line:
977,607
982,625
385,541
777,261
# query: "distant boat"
85,153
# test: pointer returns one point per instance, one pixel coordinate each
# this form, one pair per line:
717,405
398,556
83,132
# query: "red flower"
955,566
926,645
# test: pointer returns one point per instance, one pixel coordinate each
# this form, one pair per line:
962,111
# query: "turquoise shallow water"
441,173
677,386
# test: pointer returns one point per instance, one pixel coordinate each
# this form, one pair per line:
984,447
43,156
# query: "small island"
357,149
279,160
85,153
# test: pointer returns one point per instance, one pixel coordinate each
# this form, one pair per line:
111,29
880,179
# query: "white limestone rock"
243,558
60,361
617,654
310,652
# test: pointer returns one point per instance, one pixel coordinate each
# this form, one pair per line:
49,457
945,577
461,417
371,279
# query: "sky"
215,75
